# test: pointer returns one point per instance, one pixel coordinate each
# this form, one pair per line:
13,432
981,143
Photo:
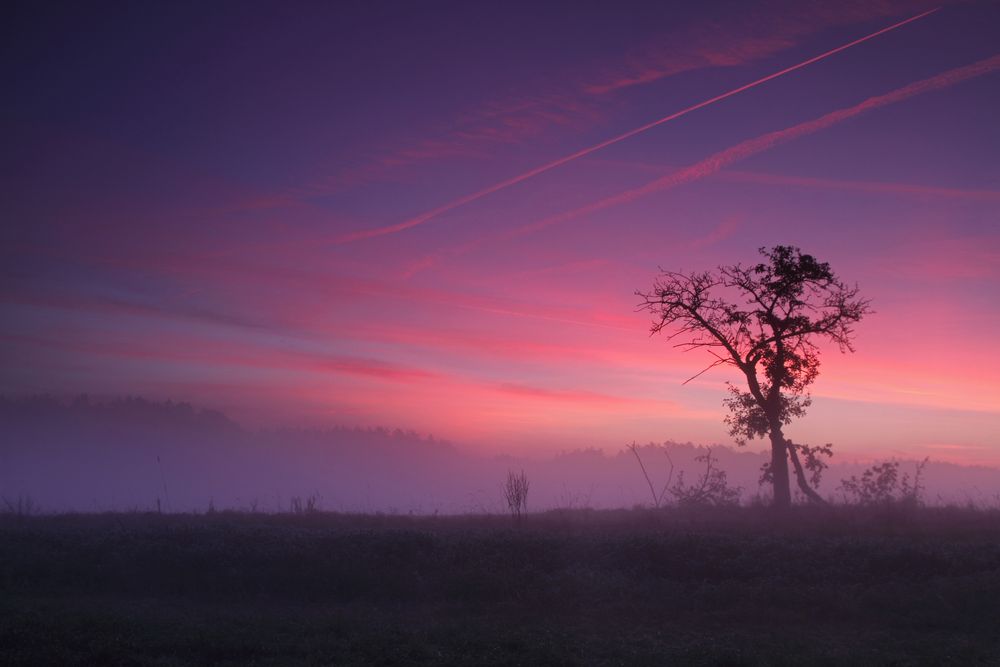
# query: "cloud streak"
467,199
874,187
743,150
742,37
915,190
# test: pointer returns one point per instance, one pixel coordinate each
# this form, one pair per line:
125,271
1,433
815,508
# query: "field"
716,586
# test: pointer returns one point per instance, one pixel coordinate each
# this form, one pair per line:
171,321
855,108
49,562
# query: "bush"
881,484
712,488
515,490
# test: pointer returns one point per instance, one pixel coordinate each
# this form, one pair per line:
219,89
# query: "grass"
723,586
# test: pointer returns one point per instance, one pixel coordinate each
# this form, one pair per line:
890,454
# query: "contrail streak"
433,213
722,159
745,149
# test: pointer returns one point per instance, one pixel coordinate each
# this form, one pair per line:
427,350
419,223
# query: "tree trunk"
800,476
779,470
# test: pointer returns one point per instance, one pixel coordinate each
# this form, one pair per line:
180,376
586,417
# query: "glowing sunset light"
371,218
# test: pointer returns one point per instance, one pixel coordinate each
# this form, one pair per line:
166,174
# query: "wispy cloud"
723,159
743,150
740,39
107,306
934,259
719,233
211,353
467,199
875,187
290,296
474,134
573,396
918,190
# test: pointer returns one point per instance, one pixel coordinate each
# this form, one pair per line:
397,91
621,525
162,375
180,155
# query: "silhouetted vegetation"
764,320
711,488
882,484
307,505
886,584
85,455
515,491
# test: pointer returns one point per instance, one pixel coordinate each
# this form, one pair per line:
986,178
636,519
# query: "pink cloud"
877,187
913,190
743,150
571,396
467,199
721,232
209,352
740,38
473,134
478,131
945,259
413,396
655,64
291,298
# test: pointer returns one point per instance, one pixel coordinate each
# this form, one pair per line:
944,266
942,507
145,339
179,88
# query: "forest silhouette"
90,455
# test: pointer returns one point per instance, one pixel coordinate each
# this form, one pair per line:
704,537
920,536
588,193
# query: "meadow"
839,585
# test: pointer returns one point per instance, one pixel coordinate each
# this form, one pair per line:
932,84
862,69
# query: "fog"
135,454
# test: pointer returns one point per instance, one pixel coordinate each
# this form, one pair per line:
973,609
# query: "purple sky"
271,209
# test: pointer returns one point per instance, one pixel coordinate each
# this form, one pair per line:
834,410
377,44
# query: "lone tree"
766,320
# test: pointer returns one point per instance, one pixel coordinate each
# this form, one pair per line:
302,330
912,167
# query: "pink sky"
366,217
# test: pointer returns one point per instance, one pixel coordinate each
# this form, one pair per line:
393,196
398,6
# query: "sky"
435,216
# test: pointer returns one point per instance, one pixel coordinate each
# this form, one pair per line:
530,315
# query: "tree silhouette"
765,320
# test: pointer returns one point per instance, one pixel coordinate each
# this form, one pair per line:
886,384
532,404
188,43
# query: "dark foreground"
842,586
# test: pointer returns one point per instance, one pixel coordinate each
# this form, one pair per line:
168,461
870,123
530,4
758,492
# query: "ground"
714,586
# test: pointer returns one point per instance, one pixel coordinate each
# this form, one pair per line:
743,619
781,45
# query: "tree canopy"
767,320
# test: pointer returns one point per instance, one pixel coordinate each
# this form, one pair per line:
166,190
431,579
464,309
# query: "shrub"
21,506
307,505
712,488
515,490
881,484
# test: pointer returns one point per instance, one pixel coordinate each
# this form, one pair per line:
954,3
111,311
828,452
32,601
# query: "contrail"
433,213
724,158
745,149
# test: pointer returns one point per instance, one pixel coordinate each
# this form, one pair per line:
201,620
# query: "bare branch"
767,320
717,362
